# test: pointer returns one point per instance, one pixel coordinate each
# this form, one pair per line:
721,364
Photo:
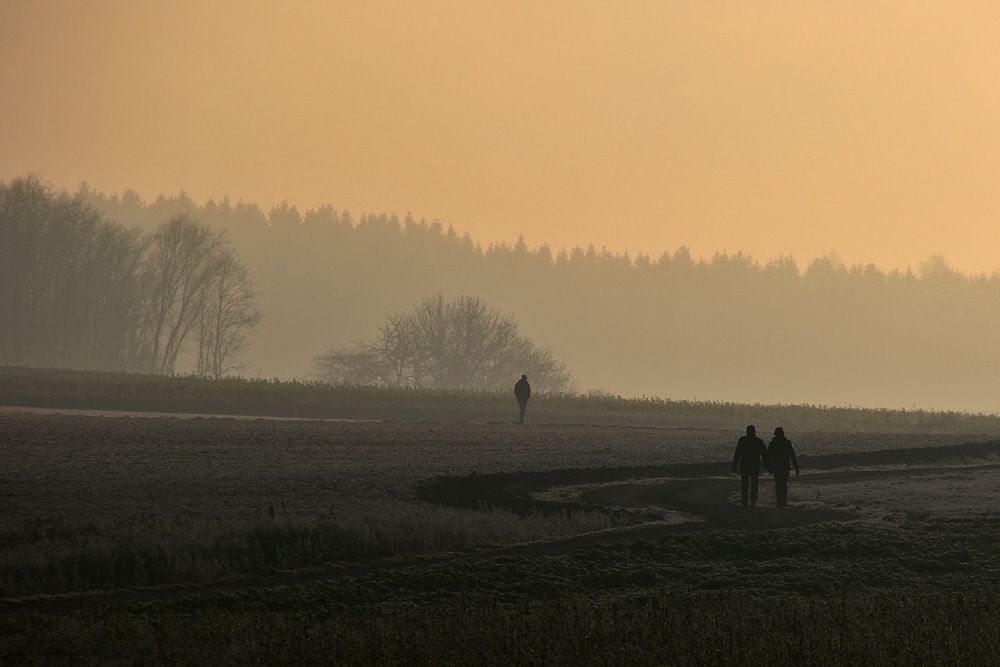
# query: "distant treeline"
675,326
79,291
94,390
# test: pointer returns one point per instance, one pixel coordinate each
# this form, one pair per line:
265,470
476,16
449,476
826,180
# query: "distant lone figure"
522,390
781,459
750,451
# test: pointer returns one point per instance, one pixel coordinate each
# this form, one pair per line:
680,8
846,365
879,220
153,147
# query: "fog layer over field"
728,329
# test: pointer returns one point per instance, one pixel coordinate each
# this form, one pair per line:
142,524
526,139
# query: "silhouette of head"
779,432
751,430
524,377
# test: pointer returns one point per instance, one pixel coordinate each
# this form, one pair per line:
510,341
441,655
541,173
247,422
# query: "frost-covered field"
82,465
104,503
95,501
955,494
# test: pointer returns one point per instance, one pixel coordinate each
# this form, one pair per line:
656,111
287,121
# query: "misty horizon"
729,329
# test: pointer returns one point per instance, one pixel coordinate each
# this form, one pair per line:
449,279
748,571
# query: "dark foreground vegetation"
833,594
160,540
93,390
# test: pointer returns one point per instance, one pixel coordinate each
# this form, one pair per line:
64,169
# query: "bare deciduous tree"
196,286
179,272
228,315
461,344
77,291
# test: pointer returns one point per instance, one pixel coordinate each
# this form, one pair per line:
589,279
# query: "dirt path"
705,501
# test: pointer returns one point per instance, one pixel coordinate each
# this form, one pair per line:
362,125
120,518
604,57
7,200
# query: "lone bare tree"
459,344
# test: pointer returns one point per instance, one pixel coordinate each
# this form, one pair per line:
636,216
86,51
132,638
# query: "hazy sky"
866,128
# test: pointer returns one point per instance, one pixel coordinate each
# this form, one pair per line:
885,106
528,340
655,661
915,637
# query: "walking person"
781,459
750,452
522,390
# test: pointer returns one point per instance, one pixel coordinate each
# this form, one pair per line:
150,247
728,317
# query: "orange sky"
799,127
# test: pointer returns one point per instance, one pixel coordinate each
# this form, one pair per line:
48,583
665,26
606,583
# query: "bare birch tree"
227,317
180,268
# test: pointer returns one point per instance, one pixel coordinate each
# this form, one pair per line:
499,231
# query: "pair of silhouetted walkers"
778,458
522,391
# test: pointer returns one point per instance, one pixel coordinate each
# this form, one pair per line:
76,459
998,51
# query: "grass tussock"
57,555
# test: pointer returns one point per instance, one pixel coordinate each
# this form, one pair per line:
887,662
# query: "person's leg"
781,487
744,486
523,406
753,488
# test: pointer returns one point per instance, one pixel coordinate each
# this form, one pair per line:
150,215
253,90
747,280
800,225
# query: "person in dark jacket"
750,452
522,390
781,459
